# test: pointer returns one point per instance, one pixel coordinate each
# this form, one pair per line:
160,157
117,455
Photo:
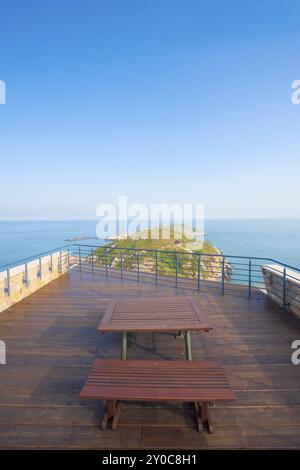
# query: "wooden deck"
52,340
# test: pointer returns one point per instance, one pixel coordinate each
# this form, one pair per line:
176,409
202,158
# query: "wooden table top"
154,314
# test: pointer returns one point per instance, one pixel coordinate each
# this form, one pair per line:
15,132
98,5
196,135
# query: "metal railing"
194,270
63,259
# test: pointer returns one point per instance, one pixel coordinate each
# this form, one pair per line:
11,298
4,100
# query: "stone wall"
39,273
274,282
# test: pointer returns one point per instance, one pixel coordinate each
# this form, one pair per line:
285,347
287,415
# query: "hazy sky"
160,100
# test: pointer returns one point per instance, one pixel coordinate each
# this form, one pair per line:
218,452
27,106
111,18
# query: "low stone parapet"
283,286
18,282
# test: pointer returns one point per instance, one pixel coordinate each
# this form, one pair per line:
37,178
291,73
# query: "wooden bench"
200,382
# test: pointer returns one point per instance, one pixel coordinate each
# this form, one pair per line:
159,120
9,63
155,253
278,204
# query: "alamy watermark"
2,352
295,97
2,92
156,221
296,354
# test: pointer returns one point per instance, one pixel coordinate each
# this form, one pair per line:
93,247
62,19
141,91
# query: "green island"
149,252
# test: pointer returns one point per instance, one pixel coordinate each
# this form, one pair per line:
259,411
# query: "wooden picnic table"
154,315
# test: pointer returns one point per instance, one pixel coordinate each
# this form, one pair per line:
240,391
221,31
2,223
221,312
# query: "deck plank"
52,340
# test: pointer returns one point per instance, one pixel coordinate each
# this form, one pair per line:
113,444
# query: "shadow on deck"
51,341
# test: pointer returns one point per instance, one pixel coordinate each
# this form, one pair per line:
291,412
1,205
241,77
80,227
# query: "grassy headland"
177,254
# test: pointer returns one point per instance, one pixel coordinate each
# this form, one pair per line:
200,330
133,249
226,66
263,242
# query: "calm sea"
278,239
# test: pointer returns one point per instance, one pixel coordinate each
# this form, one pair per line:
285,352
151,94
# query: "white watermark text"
2,92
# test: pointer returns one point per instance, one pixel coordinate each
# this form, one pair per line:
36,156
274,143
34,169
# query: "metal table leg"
180,334
188,347
131,338
124,346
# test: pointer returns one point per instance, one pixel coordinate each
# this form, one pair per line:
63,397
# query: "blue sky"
161,100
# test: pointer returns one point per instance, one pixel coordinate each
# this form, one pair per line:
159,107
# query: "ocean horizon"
278,239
